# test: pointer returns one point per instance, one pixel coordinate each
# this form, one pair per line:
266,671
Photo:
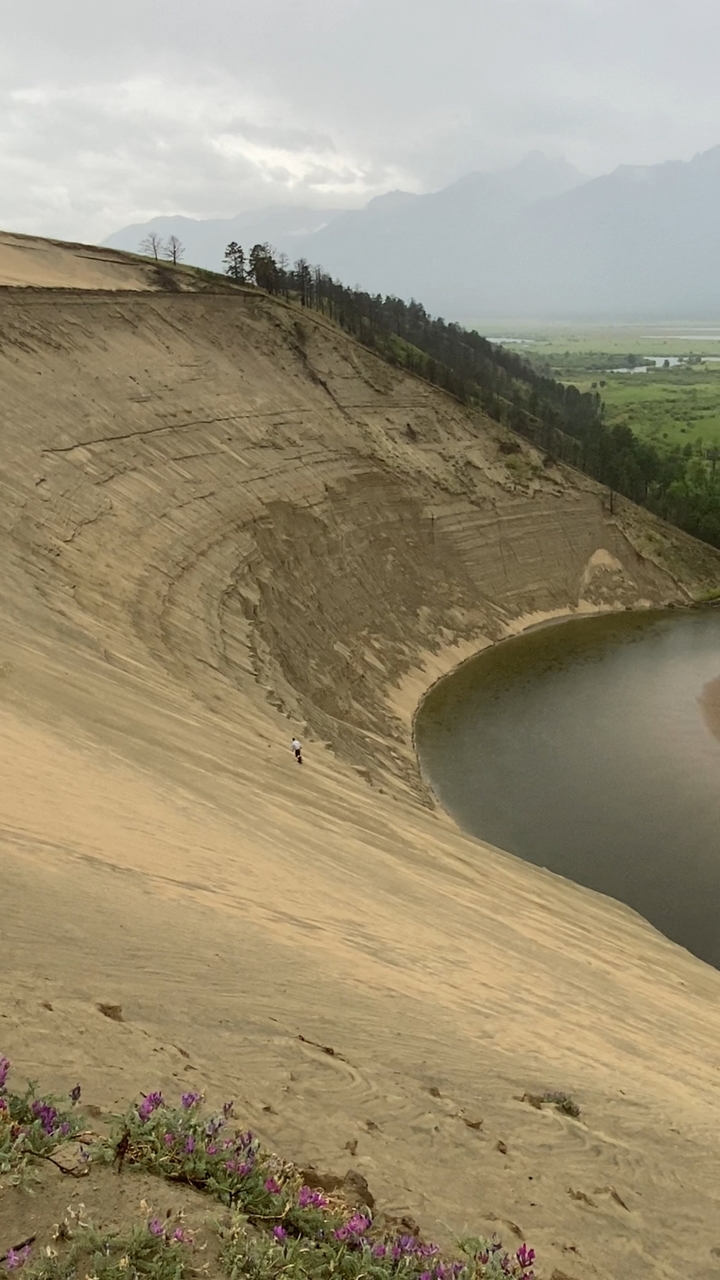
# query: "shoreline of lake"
558,761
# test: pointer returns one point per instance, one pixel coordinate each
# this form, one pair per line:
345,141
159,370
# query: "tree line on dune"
681,485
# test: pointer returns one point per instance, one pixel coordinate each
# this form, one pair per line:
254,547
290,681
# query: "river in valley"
592,747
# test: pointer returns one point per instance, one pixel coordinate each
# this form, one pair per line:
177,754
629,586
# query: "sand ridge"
216,531
31,262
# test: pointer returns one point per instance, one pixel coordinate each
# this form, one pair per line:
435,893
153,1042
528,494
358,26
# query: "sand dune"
216,531
29,262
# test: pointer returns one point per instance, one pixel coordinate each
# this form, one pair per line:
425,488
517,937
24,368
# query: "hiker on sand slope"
297,750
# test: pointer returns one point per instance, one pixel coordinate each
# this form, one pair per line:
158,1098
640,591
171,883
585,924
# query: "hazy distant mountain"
426,246
641,241
533,240
205,240
459,210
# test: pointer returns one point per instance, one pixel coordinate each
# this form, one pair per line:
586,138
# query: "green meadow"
676,405
673,406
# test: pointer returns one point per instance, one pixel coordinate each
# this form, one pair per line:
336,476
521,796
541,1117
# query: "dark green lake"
592,748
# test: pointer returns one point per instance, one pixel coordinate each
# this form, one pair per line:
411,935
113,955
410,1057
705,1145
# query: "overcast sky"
111,113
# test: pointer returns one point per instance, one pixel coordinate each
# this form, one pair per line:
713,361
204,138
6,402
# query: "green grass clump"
212,1155
564,1103
32,1127
151,1251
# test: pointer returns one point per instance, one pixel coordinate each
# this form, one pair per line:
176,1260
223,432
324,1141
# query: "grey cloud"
281,136
147,108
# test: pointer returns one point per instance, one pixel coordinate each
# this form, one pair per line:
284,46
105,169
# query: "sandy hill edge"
215,530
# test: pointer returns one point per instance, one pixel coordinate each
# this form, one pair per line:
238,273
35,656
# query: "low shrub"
564,1103
279,1226
351,1252
149,1252
32,1125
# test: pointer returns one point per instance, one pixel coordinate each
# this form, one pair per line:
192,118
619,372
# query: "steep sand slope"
217,530
28,261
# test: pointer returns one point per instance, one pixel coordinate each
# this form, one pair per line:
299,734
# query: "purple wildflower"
156,1227
4,1068
242,1170
47,1116
425,1275
280,1234
379,1250
211,1149
15,1258
190,1099
354,1229
181,1236
403,1246
168,1139
309,1199
150,1103
64,1129
525,1256
272,1186
3,1105
190,1145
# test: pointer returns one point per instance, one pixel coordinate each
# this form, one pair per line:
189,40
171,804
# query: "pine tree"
234,259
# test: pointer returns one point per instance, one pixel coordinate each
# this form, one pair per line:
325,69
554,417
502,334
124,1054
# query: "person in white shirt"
297,750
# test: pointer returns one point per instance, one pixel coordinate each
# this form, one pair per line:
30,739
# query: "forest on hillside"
681,484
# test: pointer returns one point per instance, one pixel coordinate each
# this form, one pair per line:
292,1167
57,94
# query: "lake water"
593,748
658,362
690,335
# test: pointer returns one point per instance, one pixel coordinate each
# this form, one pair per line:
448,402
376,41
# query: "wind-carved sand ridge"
216,531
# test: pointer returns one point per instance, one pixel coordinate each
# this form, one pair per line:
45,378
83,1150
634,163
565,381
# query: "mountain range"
535,240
